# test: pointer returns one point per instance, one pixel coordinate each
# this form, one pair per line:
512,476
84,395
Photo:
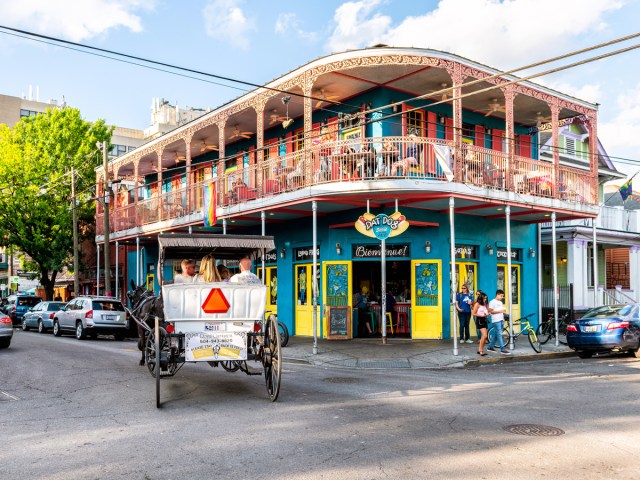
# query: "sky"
258,41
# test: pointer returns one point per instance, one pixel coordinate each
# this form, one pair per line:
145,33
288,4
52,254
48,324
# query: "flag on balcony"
626,190
210,205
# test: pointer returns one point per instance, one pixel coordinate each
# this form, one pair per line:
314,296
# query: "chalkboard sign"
339,321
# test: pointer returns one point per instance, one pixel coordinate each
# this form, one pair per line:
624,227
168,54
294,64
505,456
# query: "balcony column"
509,96
188,177
592,125
634,269
160,199
137,219
457,79
555,145
308,125
577,270
221,157
259,167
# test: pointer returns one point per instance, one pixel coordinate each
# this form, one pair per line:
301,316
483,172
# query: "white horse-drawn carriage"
220,323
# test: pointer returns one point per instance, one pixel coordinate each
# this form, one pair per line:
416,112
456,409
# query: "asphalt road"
85,410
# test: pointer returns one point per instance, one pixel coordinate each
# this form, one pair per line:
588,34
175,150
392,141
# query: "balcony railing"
609,218
372,160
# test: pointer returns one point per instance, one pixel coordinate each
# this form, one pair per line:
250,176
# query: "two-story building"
342,153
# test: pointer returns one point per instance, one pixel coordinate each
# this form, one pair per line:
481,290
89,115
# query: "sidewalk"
404,353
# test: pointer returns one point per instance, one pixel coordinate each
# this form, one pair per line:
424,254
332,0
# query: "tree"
36,215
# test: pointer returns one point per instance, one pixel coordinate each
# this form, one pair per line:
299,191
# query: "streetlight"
105,191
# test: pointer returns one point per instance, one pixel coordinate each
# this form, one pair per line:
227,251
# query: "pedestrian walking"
497,309
463,306
481,312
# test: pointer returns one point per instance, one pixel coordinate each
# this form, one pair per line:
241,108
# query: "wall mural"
427,288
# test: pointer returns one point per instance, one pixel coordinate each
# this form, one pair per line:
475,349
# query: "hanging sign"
269,257
515,254
305,253
382,226
374,251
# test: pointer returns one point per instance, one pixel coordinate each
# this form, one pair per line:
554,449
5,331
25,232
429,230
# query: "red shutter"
448,128
497,139
432,119
479,136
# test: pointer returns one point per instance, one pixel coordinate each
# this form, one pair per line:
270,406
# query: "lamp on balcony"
283,252
489,248
338,249
441,119
563,259
427,246
532,253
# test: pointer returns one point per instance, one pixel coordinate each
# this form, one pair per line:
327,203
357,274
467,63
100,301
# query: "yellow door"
303,300
466,274
515,288
271,280
337,285
426,299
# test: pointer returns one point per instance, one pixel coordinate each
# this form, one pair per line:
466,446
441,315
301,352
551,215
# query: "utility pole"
76,273
107,262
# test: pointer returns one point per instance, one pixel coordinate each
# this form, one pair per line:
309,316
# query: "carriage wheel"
230,366
165,353
272,359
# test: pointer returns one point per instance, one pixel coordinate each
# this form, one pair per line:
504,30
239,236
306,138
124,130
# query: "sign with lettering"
375,251
382,226
339,323
305,253
516,254
269,257
466,251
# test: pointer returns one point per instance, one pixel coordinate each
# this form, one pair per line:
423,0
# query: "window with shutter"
570,146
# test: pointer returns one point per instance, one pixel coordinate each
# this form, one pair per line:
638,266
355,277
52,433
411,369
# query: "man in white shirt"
246,276
188,272
497,309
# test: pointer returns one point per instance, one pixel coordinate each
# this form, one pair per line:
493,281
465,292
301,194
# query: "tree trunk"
48,283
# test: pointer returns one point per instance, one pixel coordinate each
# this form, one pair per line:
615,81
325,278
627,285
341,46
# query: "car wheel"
585,354
56,329
41,328
24,326
80,333
5,342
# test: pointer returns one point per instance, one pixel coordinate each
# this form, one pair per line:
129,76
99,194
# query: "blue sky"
258,41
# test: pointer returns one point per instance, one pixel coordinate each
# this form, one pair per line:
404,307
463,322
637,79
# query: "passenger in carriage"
224,272
188,272
246,276
208,270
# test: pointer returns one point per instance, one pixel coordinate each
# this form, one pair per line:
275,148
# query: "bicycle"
547,330
283,331
526,327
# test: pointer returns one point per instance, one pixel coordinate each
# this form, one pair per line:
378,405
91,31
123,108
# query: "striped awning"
223,246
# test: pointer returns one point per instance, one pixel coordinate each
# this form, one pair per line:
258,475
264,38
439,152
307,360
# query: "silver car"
6,330
41,316
90,316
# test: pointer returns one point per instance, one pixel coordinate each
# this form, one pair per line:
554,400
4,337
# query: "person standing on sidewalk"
497,309
479,293
481,313
463,306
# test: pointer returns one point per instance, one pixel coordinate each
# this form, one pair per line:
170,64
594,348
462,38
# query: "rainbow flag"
626,190
210,205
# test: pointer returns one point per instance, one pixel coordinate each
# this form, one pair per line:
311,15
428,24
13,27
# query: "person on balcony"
402,166
295,178
389,155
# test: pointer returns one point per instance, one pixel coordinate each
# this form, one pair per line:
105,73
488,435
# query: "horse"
145,307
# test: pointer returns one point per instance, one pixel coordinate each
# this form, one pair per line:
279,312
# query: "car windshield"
107,305
54,307
30,302
608,311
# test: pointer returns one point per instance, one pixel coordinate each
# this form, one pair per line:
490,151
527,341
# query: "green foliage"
36,156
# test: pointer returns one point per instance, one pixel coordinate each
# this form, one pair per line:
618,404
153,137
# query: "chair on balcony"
271,186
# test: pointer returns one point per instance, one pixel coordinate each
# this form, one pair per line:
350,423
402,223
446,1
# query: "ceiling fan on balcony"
323,97
179,158
444,95
540,119
275,118
237,133
206,147
155,168
494,106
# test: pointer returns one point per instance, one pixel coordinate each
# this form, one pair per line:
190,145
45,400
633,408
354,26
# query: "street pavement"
405,353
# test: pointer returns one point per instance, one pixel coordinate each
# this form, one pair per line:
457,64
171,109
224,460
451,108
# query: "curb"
519,358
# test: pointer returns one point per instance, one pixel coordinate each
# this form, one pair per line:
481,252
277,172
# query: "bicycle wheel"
284,334
562,333
533,340
544,332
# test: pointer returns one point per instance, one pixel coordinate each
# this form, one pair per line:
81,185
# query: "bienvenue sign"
375,251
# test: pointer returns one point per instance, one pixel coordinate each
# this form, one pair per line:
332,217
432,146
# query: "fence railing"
370,159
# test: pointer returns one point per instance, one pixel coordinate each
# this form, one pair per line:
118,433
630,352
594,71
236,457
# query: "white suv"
90,316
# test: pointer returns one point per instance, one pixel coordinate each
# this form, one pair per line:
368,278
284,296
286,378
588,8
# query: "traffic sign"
215,302
14,279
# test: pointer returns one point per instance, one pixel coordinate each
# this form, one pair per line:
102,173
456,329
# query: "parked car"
6,331
41,316
22,304
611,328
90,316
11,300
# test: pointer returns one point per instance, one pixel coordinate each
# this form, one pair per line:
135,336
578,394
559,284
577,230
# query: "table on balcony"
353,164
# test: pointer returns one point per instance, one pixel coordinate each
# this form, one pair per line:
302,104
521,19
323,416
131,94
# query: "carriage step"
250,371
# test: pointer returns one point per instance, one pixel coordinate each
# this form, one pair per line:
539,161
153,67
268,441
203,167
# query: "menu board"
339,323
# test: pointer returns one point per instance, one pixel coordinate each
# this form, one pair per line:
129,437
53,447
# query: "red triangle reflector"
215,302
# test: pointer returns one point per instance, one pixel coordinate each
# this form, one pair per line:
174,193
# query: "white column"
454,284
634,269
577,271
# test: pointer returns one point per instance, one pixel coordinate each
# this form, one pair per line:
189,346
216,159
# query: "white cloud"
225,20
357,25
621,134
501,33
289,23
74,20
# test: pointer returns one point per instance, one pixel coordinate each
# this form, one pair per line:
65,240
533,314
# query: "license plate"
591,328
111,318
